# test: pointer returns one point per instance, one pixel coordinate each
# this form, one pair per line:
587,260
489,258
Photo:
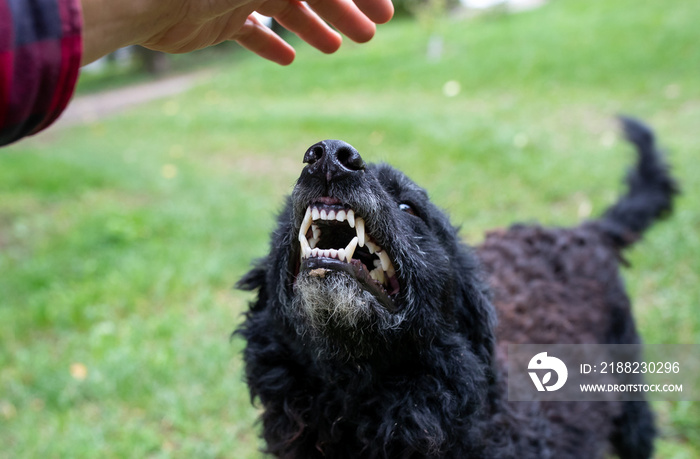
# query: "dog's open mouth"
333,237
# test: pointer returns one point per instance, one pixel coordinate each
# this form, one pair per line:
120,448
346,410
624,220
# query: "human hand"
178,26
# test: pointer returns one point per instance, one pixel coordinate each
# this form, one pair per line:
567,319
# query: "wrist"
109,25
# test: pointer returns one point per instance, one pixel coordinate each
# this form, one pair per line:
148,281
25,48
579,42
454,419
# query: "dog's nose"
333,159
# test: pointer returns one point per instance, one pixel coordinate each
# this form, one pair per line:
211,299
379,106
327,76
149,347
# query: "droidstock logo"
542,361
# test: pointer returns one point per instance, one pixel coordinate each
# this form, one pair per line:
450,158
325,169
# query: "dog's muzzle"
334,236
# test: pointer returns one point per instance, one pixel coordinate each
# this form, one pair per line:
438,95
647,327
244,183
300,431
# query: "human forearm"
177,26
109,25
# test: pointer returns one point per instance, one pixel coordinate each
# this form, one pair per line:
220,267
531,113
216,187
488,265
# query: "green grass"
114,75
120,240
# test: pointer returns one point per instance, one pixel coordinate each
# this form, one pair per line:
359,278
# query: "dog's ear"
255,279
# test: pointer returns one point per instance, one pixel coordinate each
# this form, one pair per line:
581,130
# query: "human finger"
299,19
258,38
378,11
345,16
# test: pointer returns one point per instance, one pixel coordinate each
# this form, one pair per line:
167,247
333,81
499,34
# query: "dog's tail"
651,189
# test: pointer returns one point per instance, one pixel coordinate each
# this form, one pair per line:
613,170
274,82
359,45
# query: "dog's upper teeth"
387,266
309,240
305,224
384,259
313,242
360,227
372,247
351,218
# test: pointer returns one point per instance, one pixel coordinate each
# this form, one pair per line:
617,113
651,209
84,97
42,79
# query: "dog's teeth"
385,263
305,249
383,272
372,246
305,224
378,275
382,277
350,249
351,218
390,271
360,227
384,259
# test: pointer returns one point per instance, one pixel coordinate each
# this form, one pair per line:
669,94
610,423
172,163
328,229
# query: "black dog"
374,333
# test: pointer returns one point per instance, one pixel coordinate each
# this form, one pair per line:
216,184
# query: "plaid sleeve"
40,51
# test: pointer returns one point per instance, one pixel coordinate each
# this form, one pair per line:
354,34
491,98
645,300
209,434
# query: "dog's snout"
333,159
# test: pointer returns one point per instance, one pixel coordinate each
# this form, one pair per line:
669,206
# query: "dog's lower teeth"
305,248
350,249
378,275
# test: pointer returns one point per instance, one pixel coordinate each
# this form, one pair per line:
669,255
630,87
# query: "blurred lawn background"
121,239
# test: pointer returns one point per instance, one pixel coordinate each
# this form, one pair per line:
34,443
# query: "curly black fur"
418,371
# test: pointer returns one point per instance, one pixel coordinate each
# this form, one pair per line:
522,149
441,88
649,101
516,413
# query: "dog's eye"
407,208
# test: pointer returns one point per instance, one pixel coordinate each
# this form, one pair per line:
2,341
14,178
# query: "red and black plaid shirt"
40,50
